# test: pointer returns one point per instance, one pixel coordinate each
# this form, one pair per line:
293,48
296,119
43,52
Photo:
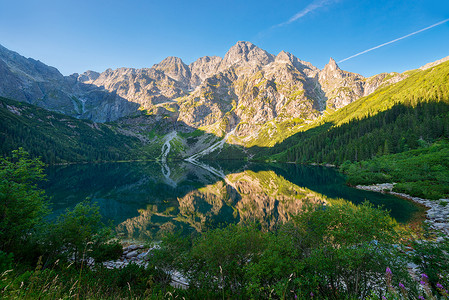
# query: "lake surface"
145,199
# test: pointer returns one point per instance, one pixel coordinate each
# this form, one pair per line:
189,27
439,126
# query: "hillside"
58,138
396,118
248,104
421,172
252,97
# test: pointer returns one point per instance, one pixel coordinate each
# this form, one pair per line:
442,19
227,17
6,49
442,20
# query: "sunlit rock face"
342,87
246,91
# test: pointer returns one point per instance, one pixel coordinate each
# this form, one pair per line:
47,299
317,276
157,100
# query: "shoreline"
140,255
437,215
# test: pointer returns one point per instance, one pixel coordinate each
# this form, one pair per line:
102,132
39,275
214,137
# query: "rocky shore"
140,255
438,210
136,254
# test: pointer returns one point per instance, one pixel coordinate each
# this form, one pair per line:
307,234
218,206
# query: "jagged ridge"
260,97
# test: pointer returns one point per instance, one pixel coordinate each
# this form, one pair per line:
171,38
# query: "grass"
66,282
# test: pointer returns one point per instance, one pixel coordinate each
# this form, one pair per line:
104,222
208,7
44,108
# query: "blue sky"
75,36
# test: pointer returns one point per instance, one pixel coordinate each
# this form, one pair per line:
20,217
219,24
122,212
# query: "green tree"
346,250
79,233
218,259
22,204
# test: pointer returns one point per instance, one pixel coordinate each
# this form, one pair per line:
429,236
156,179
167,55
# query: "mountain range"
248,87
249,97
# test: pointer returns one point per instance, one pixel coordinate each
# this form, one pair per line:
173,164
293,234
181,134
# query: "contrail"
309,8
395,40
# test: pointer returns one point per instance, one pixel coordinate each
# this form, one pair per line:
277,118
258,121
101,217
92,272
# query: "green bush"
337,251
22,205
77,233
219,257
432,258
422,173
106,251
6,261
347,249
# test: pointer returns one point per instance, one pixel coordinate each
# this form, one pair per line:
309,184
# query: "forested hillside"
59,138
404,116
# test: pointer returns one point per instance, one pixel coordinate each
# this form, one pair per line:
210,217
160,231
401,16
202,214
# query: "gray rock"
132,254
132,247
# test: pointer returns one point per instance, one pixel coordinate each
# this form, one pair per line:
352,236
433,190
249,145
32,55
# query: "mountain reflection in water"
145,199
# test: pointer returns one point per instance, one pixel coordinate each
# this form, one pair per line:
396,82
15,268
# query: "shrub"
106,251
22,205
79,234
6,261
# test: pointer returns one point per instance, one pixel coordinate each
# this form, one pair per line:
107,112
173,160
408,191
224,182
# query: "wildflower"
311,294
421,298
440,286
401,285
424,276
422,282
388,271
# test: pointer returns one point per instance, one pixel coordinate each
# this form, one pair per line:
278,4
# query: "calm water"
144,199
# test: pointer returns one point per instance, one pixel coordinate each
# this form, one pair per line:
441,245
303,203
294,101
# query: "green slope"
429,85
421,172
391,120
59,138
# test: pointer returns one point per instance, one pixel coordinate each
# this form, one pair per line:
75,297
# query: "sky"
364,36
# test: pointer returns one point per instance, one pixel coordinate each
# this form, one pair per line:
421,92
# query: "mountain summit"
174,68
249,91
246,52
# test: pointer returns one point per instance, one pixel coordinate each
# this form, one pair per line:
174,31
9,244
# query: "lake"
145,199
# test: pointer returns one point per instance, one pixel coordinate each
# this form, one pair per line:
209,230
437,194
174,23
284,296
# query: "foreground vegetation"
338,251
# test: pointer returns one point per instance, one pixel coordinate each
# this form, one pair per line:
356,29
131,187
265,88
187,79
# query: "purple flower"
424,276
401,285
311,294
383,298
440,286
422,282
421,297
296,297
388,271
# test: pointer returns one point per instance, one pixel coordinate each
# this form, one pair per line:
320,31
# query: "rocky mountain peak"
246,52
332,65
169,61
174,68
28,68
340,87
302,66
285,57
433,64
203,68
88,76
